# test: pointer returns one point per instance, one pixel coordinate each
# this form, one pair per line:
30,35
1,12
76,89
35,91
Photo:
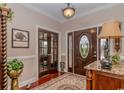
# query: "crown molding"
75,17
41,12
92,11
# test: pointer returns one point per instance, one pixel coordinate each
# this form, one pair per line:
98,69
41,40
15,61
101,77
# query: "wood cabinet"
48,51
98,80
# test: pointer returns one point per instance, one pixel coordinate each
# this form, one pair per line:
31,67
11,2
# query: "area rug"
67,81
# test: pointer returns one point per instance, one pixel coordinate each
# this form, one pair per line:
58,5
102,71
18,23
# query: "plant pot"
13,74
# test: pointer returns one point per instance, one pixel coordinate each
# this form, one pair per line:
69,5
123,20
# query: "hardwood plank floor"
42,80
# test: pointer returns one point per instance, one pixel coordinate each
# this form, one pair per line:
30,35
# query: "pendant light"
69,11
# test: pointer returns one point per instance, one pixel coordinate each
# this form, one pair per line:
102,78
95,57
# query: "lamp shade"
110,29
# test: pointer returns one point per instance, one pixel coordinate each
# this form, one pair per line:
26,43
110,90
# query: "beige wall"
26,19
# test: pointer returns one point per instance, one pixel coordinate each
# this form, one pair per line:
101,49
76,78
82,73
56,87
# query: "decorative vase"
13,74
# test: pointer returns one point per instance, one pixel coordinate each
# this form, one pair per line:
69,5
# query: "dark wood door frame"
91,33
49,50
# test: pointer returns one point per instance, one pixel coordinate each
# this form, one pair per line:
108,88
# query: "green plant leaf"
14,64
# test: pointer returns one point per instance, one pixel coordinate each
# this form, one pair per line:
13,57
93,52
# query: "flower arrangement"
10,14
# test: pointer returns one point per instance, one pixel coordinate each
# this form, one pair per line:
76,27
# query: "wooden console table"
101,79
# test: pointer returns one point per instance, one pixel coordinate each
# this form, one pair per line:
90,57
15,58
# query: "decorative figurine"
105,62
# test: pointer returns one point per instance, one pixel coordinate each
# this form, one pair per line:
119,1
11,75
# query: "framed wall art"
20,38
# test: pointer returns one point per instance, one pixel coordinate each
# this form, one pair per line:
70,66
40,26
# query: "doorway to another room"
47,52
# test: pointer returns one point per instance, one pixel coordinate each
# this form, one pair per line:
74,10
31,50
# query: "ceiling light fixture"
68,12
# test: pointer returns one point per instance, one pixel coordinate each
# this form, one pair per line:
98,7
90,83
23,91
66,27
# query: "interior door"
44,52
85,49
48,52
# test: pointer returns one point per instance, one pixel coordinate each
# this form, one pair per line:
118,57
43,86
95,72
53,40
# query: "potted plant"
14,69
115,58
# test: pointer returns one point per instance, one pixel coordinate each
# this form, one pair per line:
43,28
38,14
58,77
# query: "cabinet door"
122,84
103,82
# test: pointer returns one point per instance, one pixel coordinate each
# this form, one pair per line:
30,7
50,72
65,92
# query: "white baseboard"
26,82
29,81
32,78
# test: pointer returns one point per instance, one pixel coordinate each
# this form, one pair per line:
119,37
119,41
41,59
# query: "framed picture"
20,38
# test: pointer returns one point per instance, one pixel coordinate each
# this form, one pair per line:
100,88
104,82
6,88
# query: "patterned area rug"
67,81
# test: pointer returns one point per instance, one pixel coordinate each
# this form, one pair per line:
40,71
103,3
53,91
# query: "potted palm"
14,69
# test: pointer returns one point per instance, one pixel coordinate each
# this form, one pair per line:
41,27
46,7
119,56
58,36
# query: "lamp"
68,12
110,30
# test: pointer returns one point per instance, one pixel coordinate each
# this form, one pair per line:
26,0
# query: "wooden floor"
42,80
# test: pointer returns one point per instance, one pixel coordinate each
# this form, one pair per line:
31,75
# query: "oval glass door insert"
84,46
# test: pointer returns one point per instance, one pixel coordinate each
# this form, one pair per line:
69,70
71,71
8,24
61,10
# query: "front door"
85,49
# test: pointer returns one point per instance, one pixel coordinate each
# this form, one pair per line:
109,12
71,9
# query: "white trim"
63,54
82,28
26,82
47,28
122,57
29,81
59,44
22,57
66,54
76,17
92,11
73,51
97,46
41,12
97,43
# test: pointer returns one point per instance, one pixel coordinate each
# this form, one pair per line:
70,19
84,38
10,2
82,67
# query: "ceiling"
54,10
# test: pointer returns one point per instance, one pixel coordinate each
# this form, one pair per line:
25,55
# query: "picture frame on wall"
20,38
